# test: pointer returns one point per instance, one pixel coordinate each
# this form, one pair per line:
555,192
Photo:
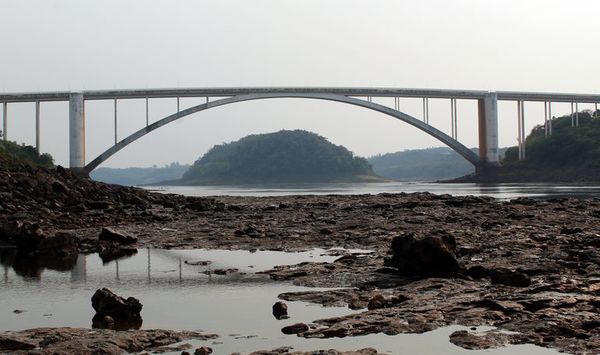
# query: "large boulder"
62,244
110,235
125,313
432,256
280,310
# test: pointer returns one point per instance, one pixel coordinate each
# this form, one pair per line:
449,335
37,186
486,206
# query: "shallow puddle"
183,289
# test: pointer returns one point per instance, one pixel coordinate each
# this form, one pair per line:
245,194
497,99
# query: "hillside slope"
281,157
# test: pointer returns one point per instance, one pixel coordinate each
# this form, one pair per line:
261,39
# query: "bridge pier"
488,131
76,132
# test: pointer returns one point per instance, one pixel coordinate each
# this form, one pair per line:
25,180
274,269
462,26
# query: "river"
501,191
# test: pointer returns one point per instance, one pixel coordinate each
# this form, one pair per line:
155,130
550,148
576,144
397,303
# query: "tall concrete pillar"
5,121
76,131
488,130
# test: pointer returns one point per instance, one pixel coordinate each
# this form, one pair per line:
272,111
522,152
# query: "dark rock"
99,205
59,187
472,341
570,230
26,236
428,257
61,245
477,272
280,310
124,312
225,271
11,344
508,277
204,350
379,301
110,235
294,328
107,322
198,263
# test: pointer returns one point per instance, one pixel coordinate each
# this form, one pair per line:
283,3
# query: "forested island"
282,157
570,154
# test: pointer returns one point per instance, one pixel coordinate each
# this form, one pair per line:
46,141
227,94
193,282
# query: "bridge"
487,103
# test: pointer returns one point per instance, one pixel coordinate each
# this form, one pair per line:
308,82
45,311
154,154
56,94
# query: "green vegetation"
421,165
282,157
140,176
567,146
25,153
570,154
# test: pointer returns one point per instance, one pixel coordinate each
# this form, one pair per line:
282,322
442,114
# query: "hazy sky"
529,45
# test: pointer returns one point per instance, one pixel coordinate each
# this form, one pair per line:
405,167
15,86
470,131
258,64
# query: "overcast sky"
528,45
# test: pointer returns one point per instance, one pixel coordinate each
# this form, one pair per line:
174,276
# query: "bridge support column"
76,132
5,121
488,131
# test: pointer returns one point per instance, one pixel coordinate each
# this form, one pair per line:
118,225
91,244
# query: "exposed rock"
223,271
11,344
65,341
110,235
204,350
508,277
125,313
280,310
198,263
26,236
61,245
427,257
380,301
294,328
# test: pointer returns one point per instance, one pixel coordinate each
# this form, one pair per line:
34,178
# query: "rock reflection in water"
32,266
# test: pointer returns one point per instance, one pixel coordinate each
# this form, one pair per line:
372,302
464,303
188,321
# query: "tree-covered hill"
421,165
281,157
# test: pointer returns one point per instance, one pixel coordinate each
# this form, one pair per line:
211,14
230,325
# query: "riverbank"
521,172
546,250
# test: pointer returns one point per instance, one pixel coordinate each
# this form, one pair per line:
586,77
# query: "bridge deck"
359,92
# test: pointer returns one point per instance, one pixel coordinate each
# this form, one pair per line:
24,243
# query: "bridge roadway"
366,92
362,97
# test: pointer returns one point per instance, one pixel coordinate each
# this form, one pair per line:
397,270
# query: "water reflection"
158,265
32,266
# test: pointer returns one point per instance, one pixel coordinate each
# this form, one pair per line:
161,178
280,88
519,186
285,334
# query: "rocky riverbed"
529,268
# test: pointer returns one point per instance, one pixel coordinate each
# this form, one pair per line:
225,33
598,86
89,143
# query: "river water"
177,294
501,191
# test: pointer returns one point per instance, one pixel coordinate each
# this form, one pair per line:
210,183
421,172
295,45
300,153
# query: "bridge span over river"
362,97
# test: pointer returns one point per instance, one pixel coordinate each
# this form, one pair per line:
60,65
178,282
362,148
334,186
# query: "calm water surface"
178,295
501,191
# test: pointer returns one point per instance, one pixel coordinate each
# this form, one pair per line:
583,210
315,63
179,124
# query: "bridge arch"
458,147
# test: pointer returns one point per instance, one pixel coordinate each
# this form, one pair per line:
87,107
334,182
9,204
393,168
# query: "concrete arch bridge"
361,97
